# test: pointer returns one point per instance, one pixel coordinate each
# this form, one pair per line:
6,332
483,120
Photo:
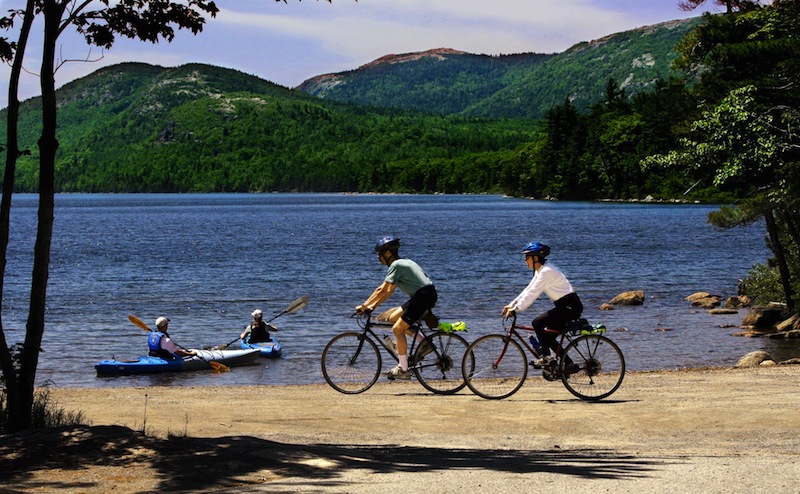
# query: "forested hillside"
634,59
136,127
442,81
509,86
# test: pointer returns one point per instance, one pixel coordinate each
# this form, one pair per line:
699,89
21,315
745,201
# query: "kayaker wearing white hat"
161,345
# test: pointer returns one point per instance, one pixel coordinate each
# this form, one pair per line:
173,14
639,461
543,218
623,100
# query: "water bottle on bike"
390,344
535,343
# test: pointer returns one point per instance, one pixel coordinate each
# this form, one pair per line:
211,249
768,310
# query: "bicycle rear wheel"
499,367
351,363
440,370
601,367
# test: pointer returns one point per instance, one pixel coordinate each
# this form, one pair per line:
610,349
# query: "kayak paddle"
291,309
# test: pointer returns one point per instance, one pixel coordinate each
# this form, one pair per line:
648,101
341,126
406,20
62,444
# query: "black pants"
568,308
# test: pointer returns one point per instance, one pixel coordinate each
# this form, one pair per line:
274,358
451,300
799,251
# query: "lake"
207,260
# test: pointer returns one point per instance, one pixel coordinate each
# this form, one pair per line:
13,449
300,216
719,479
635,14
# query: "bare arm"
379,296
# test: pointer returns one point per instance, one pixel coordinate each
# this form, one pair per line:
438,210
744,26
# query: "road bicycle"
591,366
351,361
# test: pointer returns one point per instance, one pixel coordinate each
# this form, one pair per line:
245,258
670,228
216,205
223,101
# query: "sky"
287,43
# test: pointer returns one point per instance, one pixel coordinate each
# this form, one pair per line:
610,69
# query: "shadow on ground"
196,464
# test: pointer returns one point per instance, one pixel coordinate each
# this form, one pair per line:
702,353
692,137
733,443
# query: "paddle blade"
135,320
219,367
297,304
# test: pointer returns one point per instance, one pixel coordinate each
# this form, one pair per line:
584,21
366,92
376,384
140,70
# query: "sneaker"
399,373
543,362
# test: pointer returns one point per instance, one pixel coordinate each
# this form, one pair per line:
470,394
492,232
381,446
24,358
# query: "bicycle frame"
590,365
513,330
352,362
366,323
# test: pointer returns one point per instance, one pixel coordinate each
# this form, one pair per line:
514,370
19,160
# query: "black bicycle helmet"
387,243
537,249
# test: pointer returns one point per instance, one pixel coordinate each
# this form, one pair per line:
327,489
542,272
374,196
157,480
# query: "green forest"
519,86
199,128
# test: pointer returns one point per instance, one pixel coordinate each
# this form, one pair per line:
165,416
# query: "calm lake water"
207,260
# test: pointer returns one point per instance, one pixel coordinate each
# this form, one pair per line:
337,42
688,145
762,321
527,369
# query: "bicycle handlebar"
510,315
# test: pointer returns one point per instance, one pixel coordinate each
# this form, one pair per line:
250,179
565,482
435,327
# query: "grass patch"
44,413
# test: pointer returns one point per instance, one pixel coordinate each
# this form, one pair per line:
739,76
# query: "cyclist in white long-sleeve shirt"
552,282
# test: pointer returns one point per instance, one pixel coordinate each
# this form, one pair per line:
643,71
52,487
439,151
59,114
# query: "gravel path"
699,430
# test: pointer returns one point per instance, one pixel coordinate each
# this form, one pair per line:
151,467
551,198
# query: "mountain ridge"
523,85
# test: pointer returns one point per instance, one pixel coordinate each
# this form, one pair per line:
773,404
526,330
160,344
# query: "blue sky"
288,43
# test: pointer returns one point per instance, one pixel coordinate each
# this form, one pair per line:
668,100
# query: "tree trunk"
791,227
16,412
780,258
48,144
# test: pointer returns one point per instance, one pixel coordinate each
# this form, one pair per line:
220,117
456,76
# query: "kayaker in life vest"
258,329
161,345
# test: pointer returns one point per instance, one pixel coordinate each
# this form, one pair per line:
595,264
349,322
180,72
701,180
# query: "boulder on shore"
763,317
737,302
755,359
704,300
634,297
789,325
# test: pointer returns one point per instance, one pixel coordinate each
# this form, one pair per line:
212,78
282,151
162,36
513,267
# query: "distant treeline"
142,129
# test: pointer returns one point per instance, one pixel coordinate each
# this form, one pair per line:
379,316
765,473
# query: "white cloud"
376,27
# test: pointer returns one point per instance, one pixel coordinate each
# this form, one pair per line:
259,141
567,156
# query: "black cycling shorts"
422,301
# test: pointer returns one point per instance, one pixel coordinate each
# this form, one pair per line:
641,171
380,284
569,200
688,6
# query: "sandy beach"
698,430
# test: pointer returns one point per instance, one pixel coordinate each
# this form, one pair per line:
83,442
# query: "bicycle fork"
496,363
361,339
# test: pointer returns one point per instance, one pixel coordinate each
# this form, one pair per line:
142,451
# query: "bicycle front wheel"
499,367
351,363
600,367
440,370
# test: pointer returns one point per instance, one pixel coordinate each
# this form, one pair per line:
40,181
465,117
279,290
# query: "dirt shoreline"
704,430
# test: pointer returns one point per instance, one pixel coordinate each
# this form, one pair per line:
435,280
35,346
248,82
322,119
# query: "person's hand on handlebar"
509,311
361,309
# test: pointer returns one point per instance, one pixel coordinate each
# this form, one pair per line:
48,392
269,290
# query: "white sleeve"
529,295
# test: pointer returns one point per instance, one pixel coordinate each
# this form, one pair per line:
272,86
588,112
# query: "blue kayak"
269,349
153,365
